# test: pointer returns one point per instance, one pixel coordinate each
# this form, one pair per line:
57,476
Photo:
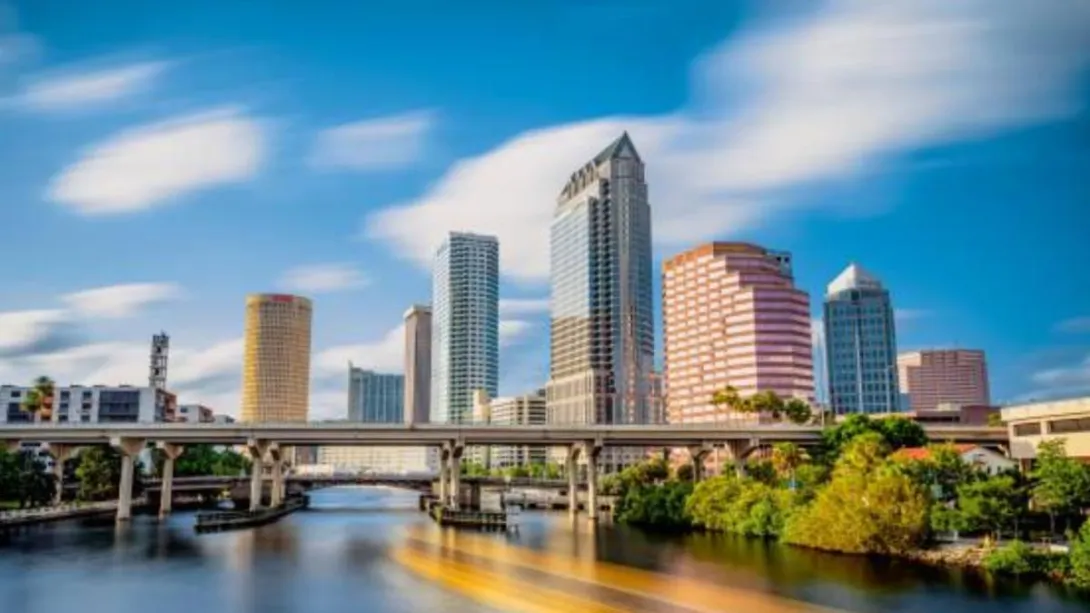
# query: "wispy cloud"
902,74
523,306
903,316
1075,325
150,165
512,330
79,89
119,301
385,354
384,143
322,278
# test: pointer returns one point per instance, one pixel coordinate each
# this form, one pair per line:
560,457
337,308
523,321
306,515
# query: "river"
369,549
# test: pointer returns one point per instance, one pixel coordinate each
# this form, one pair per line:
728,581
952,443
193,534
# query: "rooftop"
853,277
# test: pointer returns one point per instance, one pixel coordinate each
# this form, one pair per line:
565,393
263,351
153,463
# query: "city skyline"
334,179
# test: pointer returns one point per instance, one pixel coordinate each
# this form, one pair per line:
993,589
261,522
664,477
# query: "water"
367,549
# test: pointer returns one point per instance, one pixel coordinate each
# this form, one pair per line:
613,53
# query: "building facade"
732,316
525,410
417,408
276,362
1033,423
195,413
939,376
465,325
94,404
601,329
860,344
375,398
379,460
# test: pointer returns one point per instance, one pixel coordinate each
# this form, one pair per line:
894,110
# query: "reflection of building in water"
384,460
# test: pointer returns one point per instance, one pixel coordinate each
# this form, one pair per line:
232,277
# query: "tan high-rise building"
276,366
418,365
943,376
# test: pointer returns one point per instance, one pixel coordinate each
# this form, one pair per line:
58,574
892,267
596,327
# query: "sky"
159,161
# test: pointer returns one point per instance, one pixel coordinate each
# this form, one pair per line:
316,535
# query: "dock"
479,520
219,521
41,515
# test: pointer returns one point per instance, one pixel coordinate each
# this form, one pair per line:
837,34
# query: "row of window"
1055,426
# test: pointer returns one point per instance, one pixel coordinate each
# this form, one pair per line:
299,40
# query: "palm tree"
768,402
38,401
727,397
786,457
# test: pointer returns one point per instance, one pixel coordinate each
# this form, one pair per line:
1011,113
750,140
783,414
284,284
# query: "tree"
898,432
901,432
727,397
995,419
685,472
662,506
786,458
98,473
797,411
1079,555
1061,483
992,504
39,398
768,403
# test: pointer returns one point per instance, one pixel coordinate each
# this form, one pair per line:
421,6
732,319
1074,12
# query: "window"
1059,426
1032,429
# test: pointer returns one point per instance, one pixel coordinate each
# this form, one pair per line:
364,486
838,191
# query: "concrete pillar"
129,449
275,486
592,451
61,453
456,475
444,475
697,455
166,493
573,479
257,450
736,453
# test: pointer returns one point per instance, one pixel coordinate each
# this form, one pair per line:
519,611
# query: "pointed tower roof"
853,277
617,148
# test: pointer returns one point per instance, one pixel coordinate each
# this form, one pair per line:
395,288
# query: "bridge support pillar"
129,448
456,451
166,493
61,453
592,450
444,474
276,487
697,455
736,453
572,468
257,450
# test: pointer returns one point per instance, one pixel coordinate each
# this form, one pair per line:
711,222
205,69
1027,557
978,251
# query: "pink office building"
732,316
943,376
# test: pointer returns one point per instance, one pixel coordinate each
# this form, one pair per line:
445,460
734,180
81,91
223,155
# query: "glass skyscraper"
860,344
375,398
465,325
602,335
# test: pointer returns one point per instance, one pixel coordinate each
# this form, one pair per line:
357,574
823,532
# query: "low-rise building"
1032,423
195,414
983,459
525,410
379,460
950,413
93,404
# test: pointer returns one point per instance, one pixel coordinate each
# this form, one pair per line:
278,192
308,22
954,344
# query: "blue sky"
159,162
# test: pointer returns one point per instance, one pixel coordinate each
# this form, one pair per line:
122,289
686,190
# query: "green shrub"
1014,558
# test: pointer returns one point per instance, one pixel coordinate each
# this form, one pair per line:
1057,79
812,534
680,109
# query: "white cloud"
322,278
24,332
1075,325
826,97
77,90
384,143
903,316
523,306
152,164
1073,376
511,330
119,301
384,355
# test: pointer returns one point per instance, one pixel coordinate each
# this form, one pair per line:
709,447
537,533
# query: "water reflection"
369,549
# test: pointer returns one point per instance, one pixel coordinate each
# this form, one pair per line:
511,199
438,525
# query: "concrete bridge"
583,444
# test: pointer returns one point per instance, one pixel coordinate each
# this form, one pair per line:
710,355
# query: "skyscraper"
732,316
465,325
602,332
276,364
860,344
944,376
417,364
375,398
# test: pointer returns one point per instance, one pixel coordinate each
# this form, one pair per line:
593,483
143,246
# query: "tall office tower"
375,398
732,316
602,332
860,344
465,325
276,364
417,364
940,376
